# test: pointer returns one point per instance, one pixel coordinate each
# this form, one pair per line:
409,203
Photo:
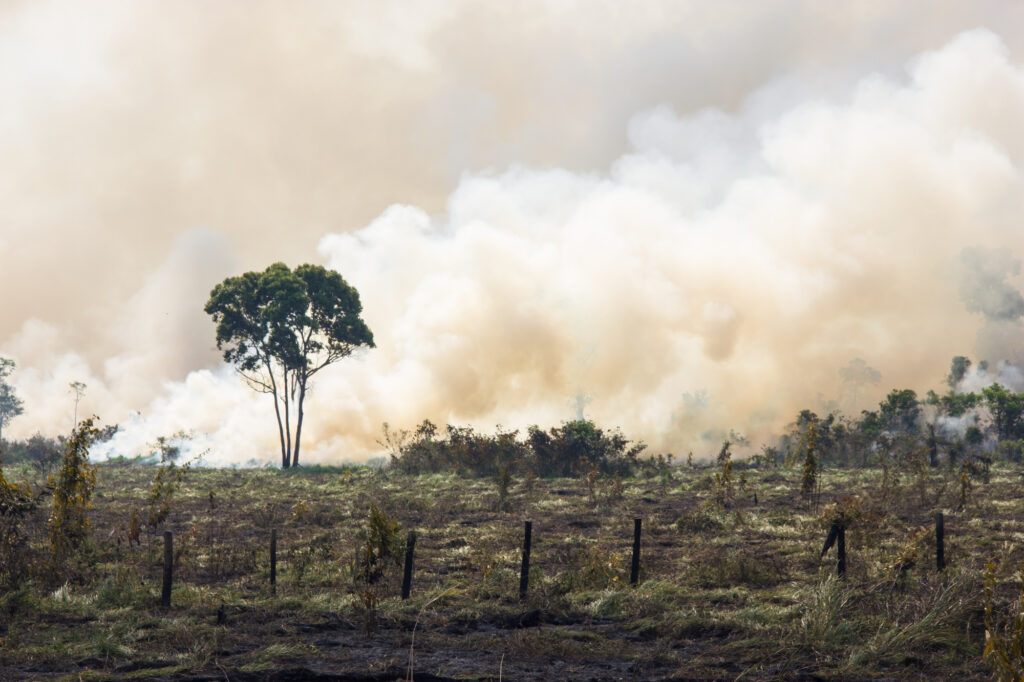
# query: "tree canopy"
280,327
10,403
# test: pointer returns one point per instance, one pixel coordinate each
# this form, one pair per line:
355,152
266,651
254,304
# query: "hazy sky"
698,214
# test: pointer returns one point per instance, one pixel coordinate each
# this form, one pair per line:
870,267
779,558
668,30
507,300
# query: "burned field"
728,588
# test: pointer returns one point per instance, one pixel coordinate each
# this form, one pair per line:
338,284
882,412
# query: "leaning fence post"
940,544
841,552
634,573
837,536
165,596
273,561
524,574
410,544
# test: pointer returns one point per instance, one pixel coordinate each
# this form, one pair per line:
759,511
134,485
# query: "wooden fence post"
410,544
165,595
524,574
837,536
841,552
273,561
940,542
634,572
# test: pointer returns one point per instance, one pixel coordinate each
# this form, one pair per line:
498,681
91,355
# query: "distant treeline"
38,450
42,451
958,428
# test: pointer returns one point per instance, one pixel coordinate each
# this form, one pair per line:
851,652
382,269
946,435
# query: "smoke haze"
702,218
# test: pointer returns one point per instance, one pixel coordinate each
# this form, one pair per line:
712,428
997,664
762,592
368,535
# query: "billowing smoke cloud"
754,281
983,284
985,289
974,380
982,376
856,378
159,332
776,211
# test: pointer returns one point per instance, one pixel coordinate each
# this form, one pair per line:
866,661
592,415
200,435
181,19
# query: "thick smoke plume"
985,288
696,237
983,284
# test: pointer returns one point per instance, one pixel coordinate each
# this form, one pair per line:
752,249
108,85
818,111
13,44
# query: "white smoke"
830,238
160,333
1007,375
975,380
743,255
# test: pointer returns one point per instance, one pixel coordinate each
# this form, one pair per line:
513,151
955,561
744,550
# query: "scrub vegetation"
733,583
728,587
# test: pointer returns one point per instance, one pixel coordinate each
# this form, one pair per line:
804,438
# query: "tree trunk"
287,421
298,422
277,412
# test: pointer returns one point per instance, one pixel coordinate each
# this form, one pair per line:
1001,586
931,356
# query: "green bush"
460,449
72,490
578,447
573,449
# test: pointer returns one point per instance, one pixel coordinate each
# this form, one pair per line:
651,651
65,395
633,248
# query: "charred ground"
729,588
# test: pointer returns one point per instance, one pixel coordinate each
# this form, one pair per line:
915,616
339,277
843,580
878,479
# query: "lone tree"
280,327
10,403
78,389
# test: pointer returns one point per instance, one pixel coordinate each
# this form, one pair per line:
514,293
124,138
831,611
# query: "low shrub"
574,449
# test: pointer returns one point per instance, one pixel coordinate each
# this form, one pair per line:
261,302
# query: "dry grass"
725,593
